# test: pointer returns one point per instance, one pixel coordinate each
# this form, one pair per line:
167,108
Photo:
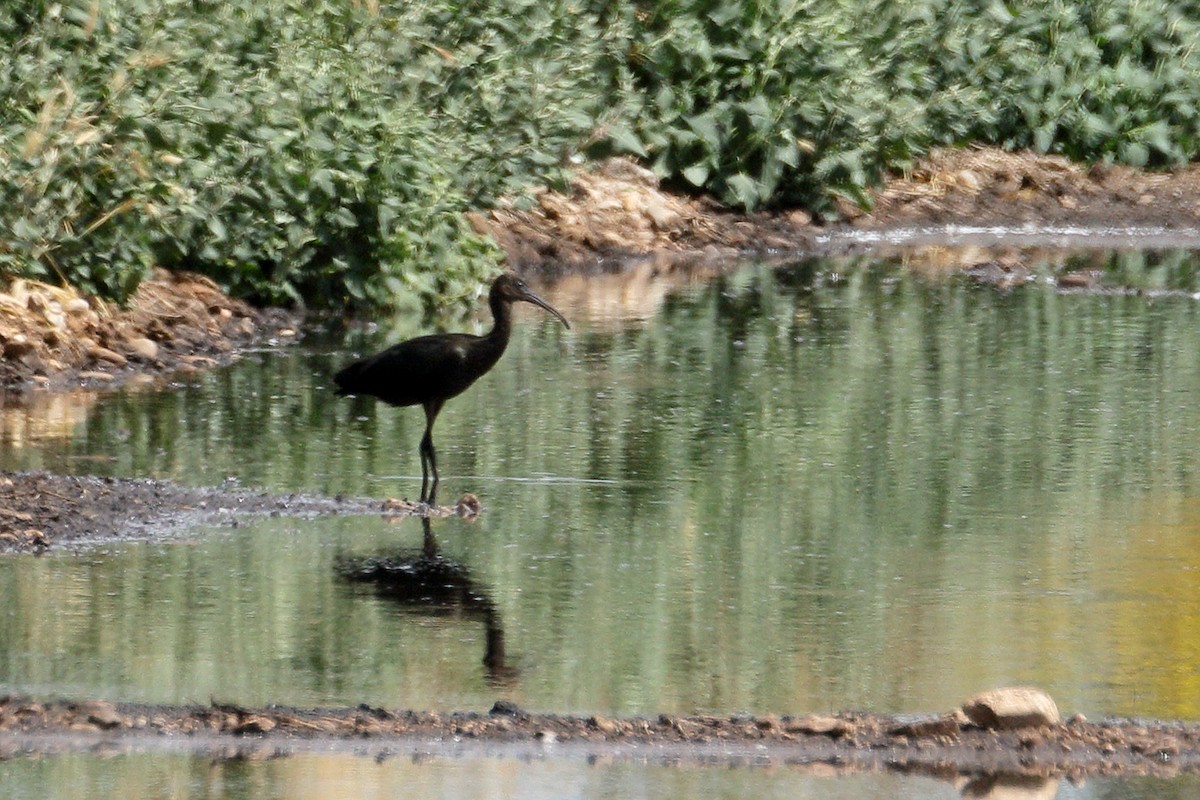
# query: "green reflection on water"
791,490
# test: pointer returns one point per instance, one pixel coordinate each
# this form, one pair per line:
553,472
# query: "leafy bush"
297,152
795,101
323,151
756,102
1113,81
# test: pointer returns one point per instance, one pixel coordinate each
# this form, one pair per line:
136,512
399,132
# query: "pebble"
605,725
141,346
101,713
104,354
818,724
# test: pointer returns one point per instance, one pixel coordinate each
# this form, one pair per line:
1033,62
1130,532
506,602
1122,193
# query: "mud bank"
617,210
41,510
851,741
53,338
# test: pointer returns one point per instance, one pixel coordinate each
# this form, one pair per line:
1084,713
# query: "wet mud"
41,510
929,744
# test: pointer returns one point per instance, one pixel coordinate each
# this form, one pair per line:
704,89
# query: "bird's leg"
424,469
429,455
428,465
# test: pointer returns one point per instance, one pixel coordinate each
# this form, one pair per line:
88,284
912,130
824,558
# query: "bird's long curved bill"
530,297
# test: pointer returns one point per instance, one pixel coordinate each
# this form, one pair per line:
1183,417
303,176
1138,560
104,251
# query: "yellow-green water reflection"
788,490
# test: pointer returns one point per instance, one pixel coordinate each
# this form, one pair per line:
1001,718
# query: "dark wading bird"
429,370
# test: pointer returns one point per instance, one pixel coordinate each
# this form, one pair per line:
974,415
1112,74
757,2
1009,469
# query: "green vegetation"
324,152
295,151
793,101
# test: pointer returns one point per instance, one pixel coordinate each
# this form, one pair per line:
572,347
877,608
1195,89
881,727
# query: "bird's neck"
501,322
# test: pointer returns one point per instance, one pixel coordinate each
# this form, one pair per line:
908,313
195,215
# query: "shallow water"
821,486
529,777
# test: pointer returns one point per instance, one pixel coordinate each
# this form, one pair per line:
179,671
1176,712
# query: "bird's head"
509,288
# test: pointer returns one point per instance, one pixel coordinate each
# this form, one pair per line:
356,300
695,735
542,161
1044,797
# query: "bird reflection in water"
429,370
426,581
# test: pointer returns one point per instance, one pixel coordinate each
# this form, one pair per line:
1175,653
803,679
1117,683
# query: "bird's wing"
410,372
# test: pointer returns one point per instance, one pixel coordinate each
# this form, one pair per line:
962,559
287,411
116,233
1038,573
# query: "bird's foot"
395,506
468,506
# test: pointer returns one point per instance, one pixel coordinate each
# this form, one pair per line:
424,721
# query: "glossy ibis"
429,370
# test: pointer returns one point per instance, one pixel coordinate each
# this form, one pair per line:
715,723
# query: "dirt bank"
928,743
54,338
618,210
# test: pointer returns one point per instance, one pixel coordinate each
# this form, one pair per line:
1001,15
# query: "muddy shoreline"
930,744
617,211
40,510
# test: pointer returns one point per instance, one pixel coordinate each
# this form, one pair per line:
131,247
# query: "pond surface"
821,486
496,777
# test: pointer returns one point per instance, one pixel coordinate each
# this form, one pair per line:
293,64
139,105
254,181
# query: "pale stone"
104,354
664,218
1012,707
101,713
969,181
817,724
606,726
143,347
799,217
77,305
